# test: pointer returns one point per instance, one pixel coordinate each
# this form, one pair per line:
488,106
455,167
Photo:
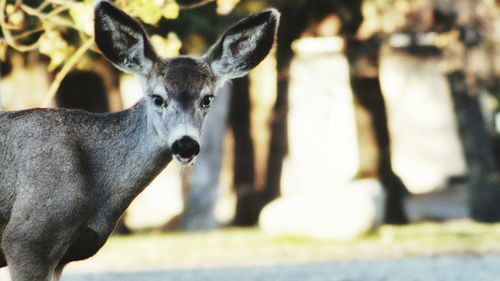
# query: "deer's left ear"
122,39
244,45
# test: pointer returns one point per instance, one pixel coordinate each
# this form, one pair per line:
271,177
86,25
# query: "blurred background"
372,131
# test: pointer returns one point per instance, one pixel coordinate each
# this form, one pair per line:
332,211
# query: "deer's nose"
186,147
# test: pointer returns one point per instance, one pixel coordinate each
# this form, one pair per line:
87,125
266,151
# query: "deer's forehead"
184,75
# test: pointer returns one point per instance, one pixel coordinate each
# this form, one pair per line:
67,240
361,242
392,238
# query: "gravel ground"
469,268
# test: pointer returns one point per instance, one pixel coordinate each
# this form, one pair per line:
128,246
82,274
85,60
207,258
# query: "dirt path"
469,268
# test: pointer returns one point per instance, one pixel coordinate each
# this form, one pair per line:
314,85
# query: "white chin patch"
185,161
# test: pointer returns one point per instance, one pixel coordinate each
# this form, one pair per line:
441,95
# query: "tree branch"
195,5
66,69
47,17
8,35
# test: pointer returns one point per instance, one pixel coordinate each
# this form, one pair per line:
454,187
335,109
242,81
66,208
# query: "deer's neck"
131,156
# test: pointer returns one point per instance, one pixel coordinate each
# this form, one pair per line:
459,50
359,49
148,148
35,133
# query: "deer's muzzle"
185,149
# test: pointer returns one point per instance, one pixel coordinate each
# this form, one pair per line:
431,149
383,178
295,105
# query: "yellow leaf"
149,11
81,13
16,17
55,47
174,44
171,10
3,50
168,47
224,7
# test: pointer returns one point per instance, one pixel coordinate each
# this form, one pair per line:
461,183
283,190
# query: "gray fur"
66,176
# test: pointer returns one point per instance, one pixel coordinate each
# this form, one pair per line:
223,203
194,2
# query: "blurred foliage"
62,29
150,11
58,29
55,47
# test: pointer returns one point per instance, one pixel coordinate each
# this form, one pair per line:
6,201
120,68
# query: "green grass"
244,247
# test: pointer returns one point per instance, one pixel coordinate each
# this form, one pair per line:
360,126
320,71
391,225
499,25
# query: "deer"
67,176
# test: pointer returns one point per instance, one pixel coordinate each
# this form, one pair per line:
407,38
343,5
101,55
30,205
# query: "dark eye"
206,101
158,100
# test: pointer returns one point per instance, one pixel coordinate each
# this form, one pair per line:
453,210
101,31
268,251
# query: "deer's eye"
206,101
158,100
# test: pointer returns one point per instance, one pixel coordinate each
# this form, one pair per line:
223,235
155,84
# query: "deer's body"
66,176
101,162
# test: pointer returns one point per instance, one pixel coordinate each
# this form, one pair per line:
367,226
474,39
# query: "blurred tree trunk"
247,201
484,177
494,88
296,17
278,145
202,185
83,90
466,84
291,27
363,58
251,199
5,68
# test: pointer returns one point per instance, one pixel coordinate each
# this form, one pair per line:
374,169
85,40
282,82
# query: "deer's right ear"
122,39
244,45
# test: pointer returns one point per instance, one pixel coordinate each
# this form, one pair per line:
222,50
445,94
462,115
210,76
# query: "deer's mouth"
185,149
184,160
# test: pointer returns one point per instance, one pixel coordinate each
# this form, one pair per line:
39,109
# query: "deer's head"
178,91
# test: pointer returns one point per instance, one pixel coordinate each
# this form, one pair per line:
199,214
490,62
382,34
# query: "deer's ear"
244,45
122,39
